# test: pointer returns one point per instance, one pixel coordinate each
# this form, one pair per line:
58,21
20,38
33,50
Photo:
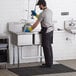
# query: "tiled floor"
70,63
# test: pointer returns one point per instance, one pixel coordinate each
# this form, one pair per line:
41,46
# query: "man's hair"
43,2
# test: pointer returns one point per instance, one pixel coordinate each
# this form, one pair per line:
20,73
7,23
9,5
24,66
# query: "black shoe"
45,66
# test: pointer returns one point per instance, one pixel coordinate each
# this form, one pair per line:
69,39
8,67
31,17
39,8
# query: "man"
45,18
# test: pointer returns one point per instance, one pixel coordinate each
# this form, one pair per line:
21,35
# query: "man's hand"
34,13
28,29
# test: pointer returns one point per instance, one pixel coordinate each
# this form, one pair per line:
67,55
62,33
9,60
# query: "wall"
59,6
16,10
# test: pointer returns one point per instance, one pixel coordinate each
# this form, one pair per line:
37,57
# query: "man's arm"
29,29
35,24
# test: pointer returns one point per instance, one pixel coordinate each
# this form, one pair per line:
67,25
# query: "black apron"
47,40
43,33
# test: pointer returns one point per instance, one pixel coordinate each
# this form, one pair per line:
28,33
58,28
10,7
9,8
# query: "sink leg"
13,54
18,56
40,54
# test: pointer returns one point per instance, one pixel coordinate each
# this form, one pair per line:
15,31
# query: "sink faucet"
72,23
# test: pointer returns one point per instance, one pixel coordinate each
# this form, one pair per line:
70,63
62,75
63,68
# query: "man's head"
42,4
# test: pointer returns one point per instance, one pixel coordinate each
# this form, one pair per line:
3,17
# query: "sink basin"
20,38
25,38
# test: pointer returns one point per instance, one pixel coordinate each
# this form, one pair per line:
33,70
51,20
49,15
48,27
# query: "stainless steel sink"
25,38
20,38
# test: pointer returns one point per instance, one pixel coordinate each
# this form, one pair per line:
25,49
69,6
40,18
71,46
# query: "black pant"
47,40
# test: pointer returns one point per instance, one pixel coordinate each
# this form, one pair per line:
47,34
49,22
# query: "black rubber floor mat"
37,70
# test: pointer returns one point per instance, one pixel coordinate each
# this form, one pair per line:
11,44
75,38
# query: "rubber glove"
28,29
34,13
